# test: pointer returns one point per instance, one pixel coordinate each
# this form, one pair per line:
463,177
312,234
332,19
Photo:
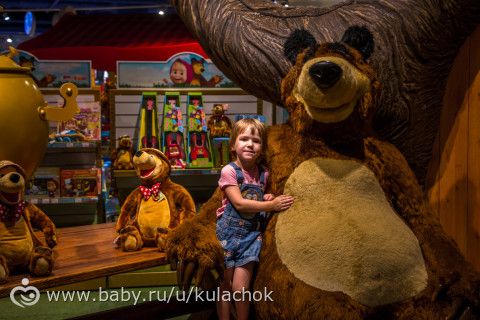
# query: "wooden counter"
85,253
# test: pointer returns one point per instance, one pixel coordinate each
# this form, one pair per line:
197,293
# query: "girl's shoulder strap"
262,170
238,172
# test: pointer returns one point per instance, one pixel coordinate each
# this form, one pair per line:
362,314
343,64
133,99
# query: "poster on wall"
183,70
54,73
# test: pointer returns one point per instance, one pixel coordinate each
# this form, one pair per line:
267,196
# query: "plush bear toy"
219,124
156,207
20,249
359,241
123,155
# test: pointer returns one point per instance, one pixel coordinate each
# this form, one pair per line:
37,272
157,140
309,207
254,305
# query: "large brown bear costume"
359,241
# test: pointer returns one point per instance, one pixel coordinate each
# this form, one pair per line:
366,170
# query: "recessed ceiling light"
9,40
161,12
6,17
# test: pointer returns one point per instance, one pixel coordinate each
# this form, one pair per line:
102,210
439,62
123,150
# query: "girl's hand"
268,197
282,202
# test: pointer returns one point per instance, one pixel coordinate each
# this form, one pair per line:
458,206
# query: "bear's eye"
309,54
1,175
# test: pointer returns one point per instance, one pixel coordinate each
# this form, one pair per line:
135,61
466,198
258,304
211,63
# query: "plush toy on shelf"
20,248
122,157
154,208
219,124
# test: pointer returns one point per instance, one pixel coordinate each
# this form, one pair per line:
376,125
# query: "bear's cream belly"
16,243
153,214
341,234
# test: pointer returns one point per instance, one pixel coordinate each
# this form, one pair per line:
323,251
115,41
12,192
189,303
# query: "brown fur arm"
129,209
41,221
445,261
183,201
193,248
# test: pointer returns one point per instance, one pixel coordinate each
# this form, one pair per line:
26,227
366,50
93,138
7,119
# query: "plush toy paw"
50,238
130,239
463,299
41,263
3,270
195,252
161,239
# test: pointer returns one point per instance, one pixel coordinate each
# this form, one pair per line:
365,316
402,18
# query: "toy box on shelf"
44,183
199,147
221,151
147,135
173,131
80,182
84,126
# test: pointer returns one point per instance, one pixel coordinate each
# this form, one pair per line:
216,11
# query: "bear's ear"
297,42
361,39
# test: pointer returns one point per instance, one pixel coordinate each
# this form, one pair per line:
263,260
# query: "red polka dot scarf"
147,192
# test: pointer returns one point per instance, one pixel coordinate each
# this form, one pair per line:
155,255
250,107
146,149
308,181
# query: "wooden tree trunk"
416,42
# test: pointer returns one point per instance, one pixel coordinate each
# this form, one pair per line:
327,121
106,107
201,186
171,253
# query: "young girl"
242,213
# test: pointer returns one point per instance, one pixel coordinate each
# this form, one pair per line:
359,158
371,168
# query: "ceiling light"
161,12
6,17
9,40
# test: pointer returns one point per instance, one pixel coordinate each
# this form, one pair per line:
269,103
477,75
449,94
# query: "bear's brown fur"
324,144
20,248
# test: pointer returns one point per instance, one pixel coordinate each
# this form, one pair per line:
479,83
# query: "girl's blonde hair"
240,127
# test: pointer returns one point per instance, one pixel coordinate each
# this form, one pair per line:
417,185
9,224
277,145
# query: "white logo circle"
28,296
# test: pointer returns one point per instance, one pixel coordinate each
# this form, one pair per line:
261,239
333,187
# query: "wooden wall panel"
453,183
473,219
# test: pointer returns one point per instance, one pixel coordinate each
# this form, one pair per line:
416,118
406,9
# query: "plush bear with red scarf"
154,208
20,249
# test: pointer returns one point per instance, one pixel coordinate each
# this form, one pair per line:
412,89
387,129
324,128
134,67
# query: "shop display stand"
78,210
71,211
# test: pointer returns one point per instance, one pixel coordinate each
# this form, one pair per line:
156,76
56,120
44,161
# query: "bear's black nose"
138,154
14,177
325,74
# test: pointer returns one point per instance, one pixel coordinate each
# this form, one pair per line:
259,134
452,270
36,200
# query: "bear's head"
330,90
151,165
219,109
124,142
12,183
198,66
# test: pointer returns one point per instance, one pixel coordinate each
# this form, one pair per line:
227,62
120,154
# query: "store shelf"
71,154
73,145
62,200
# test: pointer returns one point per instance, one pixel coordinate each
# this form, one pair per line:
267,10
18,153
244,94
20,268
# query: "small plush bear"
123,154
219,124
154,208
20,249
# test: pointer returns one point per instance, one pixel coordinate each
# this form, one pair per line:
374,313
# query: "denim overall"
240,234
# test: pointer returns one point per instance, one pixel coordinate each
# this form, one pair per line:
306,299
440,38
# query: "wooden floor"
85,253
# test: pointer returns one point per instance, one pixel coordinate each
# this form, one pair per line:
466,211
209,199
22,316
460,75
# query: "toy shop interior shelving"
200,178
67,184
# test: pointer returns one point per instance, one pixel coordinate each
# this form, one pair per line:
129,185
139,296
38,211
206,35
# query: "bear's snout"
325,74
14,177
